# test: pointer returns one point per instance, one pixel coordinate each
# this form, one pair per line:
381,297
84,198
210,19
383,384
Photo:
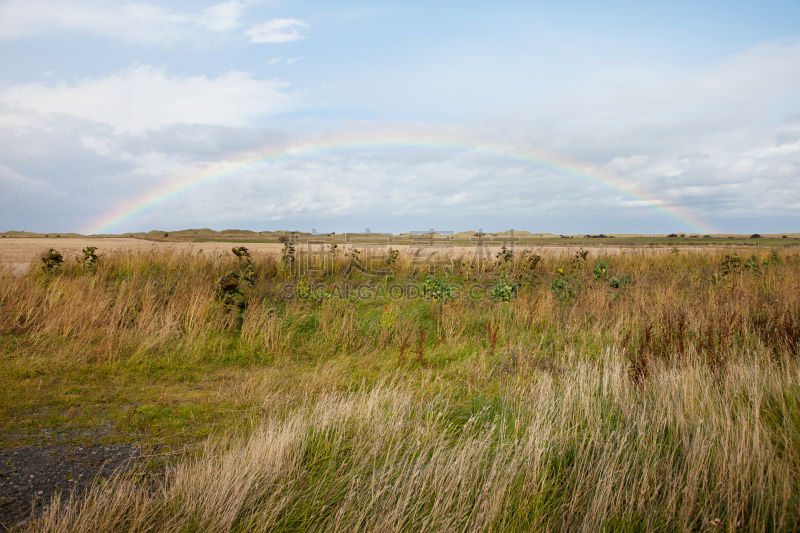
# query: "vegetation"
629,392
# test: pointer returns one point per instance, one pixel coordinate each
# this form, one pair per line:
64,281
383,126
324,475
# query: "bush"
623,280
755,236
437,289
504,290
600,270
564,287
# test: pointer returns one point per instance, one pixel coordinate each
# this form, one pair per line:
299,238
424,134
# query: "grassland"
628,392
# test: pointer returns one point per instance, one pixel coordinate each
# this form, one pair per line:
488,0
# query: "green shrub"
437,289
600,270
504,290
624,279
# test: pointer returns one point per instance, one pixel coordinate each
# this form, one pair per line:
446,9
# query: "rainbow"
255,163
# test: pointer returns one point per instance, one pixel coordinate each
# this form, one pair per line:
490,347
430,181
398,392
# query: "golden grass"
585,451
670,403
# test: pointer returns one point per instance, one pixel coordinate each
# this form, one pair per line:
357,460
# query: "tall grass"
583,451
669,402
146,305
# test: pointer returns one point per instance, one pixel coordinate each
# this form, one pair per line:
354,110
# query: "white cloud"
623,165
293,60
119,20
150,99
99,146
221,17
276,31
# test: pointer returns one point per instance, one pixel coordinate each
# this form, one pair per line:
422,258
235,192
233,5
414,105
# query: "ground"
70,413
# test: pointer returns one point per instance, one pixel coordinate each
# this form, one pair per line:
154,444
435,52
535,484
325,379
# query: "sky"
571,117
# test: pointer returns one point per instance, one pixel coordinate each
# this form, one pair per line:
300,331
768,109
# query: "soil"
32,475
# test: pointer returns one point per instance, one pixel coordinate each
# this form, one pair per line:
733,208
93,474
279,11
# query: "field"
552,388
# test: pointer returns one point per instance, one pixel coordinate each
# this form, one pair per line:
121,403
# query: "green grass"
663,404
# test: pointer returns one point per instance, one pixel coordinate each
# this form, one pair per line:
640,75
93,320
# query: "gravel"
31,475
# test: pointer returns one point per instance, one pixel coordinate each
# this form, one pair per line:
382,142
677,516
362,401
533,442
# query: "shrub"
564,287
755,236
600,270
752,264
52,260
89,260
623,280
504,290
437,289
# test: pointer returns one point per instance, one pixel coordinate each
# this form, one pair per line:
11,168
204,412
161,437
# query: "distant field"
22,251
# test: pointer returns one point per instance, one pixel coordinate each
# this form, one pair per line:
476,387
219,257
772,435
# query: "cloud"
293,60
221,17
276,31
127,21
151,99
624,165
708,145
119,20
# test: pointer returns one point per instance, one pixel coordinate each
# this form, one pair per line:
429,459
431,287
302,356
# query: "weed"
753,265
730,264
388,319
403,347
420,351
563,286
52,261
288,257
624,279
600,270
437,289
492,335
391,256
89,261
505,256
530,259
504,290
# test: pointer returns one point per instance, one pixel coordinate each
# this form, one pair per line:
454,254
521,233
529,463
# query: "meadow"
568,391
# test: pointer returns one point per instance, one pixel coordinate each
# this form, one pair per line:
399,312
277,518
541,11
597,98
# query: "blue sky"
400,115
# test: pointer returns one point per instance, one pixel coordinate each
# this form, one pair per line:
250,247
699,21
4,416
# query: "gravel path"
30,476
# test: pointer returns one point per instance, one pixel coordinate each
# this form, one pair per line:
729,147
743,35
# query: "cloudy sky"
565,117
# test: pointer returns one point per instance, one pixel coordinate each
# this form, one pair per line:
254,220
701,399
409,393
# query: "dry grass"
669,403
584,452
